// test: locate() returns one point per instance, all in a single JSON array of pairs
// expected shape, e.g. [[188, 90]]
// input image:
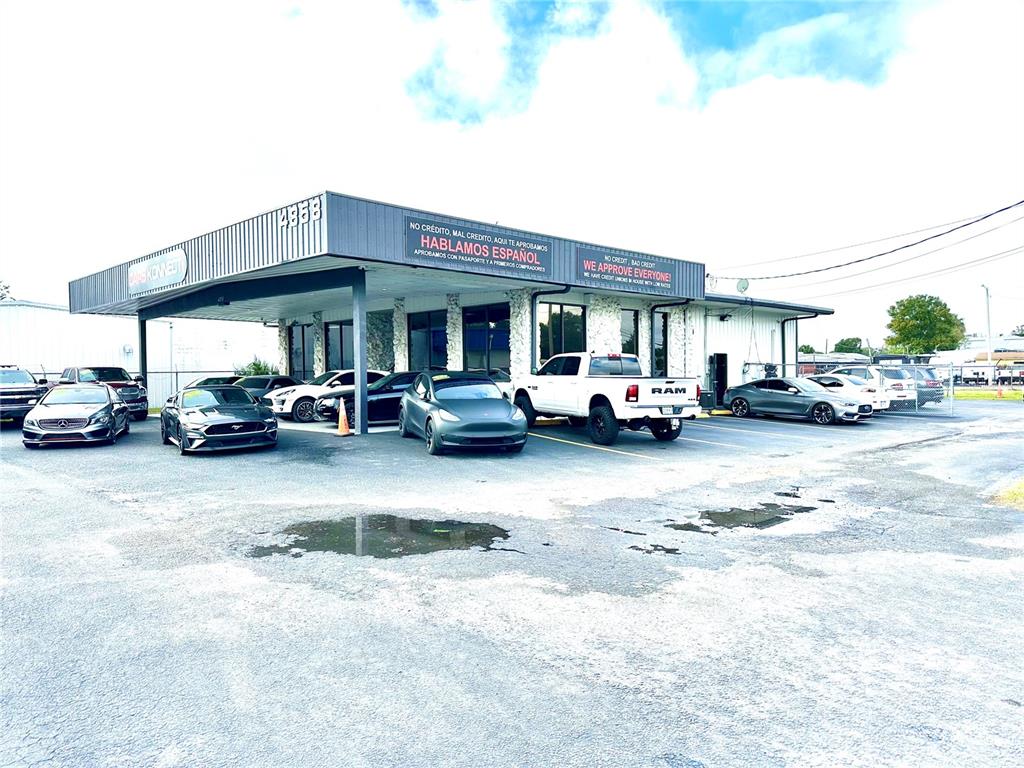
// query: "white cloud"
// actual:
[[129, 127]]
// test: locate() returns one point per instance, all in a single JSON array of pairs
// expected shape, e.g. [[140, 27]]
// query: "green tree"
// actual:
[[923, 323], [806, 349], [849, 344], [1019, 330], [257, 368], [5, 291]]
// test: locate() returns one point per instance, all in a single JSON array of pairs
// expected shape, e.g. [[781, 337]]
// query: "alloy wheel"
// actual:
[[823, 414]]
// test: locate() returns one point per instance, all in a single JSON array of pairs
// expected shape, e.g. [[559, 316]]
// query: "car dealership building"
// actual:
[[353, 283]]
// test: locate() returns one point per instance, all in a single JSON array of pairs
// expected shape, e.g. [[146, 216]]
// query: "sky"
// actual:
[[739, 135]]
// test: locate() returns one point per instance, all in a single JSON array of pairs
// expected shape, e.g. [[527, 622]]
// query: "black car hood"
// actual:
[[226, 413], [479, 408]]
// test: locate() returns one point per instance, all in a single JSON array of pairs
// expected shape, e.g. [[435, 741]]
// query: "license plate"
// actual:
[[670, 410]]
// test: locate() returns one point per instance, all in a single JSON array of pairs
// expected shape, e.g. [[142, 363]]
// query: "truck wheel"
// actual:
[[578, 421], [602, 425], [524, 404], [662, 429]]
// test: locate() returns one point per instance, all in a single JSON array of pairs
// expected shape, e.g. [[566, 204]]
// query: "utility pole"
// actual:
[[988, 325]]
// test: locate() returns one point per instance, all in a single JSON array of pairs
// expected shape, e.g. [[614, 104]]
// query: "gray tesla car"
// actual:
[[459, 409], [76, 413], [801, 398]]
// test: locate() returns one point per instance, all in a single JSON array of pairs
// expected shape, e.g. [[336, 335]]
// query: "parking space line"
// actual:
[[758, 431], [711, 442], [595, 447]]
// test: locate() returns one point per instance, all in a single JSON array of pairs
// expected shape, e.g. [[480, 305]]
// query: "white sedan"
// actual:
[[297, 402], [854, 387]]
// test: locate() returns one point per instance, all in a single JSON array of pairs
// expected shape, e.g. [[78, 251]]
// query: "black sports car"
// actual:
[[216, 418], [76, 413], [458, 409], [382, 398]]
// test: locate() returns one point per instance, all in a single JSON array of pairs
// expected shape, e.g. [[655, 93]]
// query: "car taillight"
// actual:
[[897, 385], [698, 393], [931, 382], [867, 389], [632, 393]]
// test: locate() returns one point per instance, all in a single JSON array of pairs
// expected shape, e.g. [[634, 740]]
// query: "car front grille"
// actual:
[[128, 393], [63, 423], [237, 428], [17, 399], [864, 409]]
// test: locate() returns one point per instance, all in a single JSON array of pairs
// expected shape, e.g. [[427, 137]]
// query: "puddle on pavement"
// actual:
[[765, 515], [382, 536], [657, 549]]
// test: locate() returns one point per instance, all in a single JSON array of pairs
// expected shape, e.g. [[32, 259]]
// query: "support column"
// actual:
[[143, 356], [604, 325], [519, 333], [400, 335], [677, 363], [643, 339], [359, 350], [455, 356], [379, 341], [284, 359], [319, 348]]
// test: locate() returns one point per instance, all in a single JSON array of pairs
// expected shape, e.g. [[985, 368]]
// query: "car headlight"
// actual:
[[518, 415], [282, 393], [31, 423], [271, 420], [849, 405], [143, 391], [100, 418], [446, 415]]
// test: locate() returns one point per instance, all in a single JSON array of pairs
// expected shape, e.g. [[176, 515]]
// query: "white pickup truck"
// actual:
[[605, 393]]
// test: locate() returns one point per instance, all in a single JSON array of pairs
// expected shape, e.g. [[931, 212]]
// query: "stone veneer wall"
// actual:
[[677, 341], [604, 328], [454, 327], [380, 337], [643, 336], [519, 302], [400, 336], [319, 349], [282, 346]]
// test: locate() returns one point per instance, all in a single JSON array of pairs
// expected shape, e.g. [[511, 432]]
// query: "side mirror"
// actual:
[[170, 400], [137, 378], [425, 397], [41, 381], [266, 401], [33, 402], [793, 391], [505, 395], [64, 381]]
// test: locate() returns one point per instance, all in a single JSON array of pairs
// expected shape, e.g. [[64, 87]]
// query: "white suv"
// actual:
[[894, 383], [297, 402]]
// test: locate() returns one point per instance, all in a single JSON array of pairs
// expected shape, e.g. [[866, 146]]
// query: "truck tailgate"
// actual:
[[668, 392]]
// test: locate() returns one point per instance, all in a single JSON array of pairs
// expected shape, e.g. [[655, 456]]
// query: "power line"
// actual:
[[911, 258], [935, 273], [853, 245], [883, 253]]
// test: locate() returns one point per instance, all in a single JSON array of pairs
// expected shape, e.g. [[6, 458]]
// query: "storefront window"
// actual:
[[428, 341], [562, 328], [630, 330], [660, 331], [300, 351], [338, 338], [486, 337]]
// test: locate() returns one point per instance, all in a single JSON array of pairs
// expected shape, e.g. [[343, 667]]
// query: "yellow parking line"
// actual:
[[595, 447]]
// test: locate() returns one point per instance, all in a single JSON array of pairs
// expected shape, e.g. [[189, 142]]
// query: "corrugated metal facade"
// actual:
[[262, 241], [343, 226]]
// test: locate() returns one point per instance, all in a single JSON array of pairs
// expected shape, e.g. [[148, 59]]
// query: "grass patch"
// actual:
[[986, 394], [1012, 496]]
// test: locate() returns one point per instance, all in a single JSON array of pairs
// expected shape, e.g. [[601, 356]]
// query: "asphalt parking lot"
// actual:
[[759, 592]]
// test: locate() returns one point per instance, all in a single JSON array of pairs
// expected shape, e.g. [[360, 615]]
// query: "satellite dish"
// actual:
[[742, 284]]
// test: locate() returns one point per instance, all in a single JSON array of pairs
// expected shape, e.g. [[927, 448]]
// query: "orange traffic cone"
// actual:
[[343, 430]]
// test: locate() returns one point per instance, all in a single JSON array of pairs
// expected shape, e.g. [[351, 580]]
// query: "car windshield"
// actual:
[[323, 378], [805, 385], [895, 373], [13, 376], [216, 380], [253, 382], [466, 389], [385, 382], [857, 381], [76, 396], [204, 398], [103, 374]]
